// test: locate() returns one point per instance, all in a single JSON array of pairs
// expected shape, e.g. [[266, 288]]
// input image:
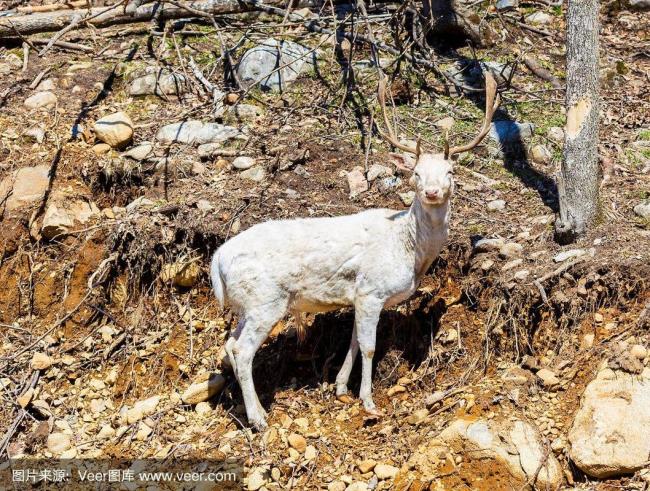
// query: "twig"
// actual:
[[65, 45], [538, 282], [25, 56], [538, 70], [38, 78]]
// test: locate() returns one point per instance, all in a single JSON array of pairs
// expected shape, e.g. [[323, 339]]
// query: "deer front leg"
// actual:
[[366, 317]]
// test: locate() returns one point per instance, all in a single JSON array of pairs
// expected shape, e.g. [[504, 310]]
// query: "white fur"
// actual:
[[370, 260]]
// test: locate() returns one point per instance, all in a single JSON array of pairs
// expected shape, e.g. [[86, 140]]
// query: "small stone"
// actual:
[[396, 389], [357, 486], [407, 197], [639, 351], [36, 133], [115, 129], [297, 442], [47, 84], [643, 210], [510, 249], [101, 148], [541, 154], [445, 123], [588, 340], [377, 170], [198, 168], [106, 431], [488, 245], [139, 152], [357, 183], [255, 173], [385, 471], [203, 408], [181, 274], [509, 132], [310, 452], [417, 417], [256, 479], [496, 205], [507, 4], [204, 390], [564, 255], [195, 132], [539, 19], [556, 134], [598, 318], [548, 378], [97, 406], [522, 275], [336, 486], [41, 100], [141, 409], [41, 361], [487, 265], [231, 98], [57, 443], [243, 163], [143, 432], [366, 465]]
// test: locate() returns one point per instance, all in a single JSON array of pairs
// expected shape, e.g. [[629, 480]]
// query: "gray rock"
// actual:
[[640, 4], [515, 445], [496, 205], [505, 132], [539, 18], [41, 100], [377, 170], [115, 129], [540, 154], [556, 134], [24, 187], [510, 249], [36, 133], [407, 198], [471, 74], [196, 133], [57, 443], [388, 184], [643, 210], [507, 4], [162, 82], [243, 163], [62, 214], [488, 245], [609, 435], [564, 255], [139, 152], [245, 112], [255, 173], [357, 183], [259, 63]]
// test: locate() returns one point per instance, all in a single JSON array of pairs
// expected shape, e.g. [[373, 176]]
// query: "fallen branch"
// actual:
[[533, 65], [109, 16]]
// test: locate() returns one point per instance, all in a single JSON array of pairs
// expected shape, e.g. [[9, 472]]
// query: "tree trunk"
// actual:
[[579, 179]]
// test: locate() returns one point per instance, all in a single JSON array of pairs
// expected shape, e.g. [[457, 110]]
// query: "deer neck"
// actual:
[[427, 231]]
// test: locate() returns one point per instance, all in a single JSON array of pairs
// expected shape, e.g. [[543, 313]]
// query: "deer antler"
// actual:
[[492, 101], [390, 136]]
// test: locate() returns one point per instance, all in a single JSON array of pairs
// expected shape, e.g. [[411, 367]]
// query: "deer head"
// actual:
[[432, 172]]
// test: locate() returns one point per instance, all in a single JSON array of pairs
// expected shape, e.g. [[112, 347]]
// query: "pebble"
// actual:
[[203, 408], [541, 154], [41, 361], [357, 486], [407, 197], [41, 100], [105, 432], [357, 183], [255, 173], [366, 465], [564, 255], [310, 452], [101, 148], [142, 409], [488, 245], [243, 163], [643, 210], [418, 416], [57, 443], [139, 152], [256, 479], [496, 205], [539, 19], [115, 129], [385, 471], [588, 340], [297, 442], [203, 390], [510, 249], [522, 275], [639, 351], [556, 134], [336, 486], [548, 377], [36, 133], [377, 170]]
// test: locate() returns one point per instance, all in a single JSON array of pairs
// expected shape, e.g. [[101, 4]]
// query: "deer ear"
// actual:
[[403, 161]]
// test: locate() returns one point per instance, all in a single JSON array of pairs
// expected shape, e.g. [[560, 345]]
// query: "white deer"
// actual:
[[370, 261]]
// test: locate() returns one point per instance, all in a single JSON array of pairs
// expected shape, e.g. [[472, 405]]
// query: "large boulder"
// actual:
[[24, 187], [194, 132], [64, 211], [514, 446], [609, 434], [262, 64]]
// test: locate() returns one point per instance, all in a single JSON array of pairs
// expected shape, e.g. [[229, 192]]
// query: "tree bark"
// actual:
[[113, 15], [579, 179]]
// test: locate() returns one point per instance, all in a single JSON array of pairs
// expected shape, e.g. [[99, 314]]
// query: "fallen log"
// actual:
[[114, 15]]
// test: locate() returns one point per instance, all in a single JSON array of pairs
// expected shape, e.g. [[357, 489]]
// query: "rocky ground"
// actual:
[[518, 364]]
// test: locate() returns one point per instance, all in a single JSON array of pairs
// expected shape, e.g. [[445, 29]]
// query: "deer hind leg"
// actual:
[[344, 373], [258, 324]]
